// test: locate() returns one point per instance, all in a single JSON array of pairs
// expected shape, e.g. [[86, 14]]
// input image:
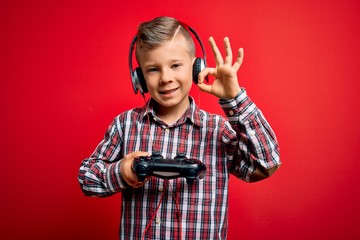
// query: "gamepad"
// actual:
[[180, 166]]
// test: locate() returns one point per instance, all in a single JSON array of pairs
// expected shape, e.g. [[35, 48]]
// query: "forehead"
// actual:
[[175, 48]]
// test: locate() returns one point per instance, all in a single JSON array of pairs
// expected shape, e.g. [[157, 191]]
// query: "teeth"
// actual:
[[166, 92]]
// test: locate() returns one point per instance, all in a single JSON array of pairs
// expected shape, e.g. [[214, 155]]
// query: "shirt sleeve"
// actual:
[[99, 175], [252, 147]]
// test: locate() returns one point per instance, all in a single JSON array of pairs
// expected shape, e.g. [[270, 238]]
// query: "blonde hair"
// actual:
[[159, 30]]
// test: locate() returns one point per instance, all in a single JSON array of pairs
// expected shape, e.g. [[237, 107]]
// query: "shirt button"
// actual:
[[157, 220], [231, 112], [252, 133], [160, 188], [167, 130]]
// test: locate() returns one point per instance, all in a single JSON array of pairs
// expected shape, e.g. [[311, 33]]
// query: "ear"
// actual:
[[193, 61]]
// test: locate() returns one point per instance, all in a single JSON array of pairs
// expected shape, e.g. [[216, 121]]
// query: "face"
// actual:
[[168, 73]]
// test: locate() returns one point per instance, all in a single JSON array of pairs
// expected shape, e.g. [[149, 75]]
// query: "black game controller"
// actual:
[[180, 166]]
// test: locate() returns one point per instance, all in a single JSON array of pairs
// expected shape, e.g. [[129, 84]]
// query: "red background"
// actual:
[[64, 76]]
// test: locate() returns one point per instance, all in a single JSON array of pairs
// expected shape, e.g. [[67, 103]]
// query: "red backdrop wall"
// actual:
[[64, 76]]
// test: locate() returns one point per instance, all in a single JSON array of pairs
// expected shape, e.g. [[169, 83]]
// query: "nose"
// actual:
[[166, 76]]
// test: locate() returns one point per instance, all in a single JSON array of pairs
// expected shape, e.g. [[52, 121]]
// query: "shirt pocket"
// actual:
[[201, 191]]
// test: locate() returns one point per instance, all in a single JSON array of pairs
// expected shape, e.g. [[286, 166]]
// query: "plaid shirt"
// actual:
[[243, 145]]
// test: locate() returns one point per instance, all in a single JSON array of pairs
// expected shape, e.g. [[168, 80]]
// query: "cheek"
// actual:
[[189, 83], [188, 78], [151, 81]]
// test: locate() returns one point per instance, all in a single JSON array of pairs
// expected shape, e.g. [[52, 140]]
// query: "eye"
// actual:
[[176, 65], [152, 70]]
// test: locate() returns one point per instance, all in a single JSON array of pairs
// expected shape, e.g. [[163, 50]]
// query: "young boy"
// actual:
[[170, 122]]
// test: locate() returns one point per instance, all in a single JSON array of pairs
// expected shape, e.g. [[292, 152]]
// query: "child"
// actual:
[[170, 122]]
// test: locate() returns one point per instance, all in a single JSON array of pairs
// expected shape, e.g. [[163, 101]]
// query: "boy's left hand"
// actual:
[[225, 85]]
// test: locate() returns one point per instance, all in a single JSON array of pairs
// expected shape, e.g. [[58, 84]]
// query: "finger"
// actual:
[[205, 72], [139, 184], [229, 56], [138, 154], [132, 179], [127, 171], [239, 59], [218, 58], [205, 87]]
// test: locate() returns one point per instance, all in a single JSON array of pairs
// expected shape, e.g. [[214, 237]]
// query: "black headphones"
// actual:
[[137, 77]]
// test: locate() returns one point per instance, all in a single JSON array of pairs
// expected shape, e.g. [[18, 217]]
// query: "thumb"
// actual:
[[139, 154], [201, 77], [205, 87]]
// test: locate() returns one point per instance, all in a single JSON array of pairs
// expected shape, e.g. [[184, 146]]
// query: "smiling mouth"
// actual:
[[169, 91]]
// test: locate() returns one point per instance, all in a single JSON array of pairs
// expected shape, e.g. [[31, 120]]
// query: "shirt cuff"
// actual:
[[239, 108], [113, 179]]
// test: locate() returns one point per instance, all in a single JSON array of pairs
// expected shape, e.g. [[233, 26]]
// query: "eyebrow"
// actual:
[[152, 64]]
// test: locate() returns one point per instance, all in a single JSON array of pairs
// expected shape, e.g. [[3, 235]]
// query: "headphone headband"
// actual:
[[190, 29]]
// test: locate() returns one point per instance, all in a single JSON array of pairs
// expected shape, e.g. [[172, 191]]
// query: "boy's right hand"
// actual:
[[225, 85], [126, 169]]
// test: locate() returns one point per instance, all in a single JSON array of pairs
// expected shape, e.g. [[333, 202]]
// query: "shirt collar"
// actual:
[[192, 114]]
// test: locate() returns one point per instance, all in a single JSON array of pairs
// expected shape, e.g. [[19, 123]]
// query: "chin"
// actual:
[[171, 102], [168, 103]]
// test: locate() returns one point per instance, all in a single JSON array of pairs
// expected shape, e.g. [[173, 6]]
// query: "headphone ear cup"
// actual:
[[198, 66], [140, 82]]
